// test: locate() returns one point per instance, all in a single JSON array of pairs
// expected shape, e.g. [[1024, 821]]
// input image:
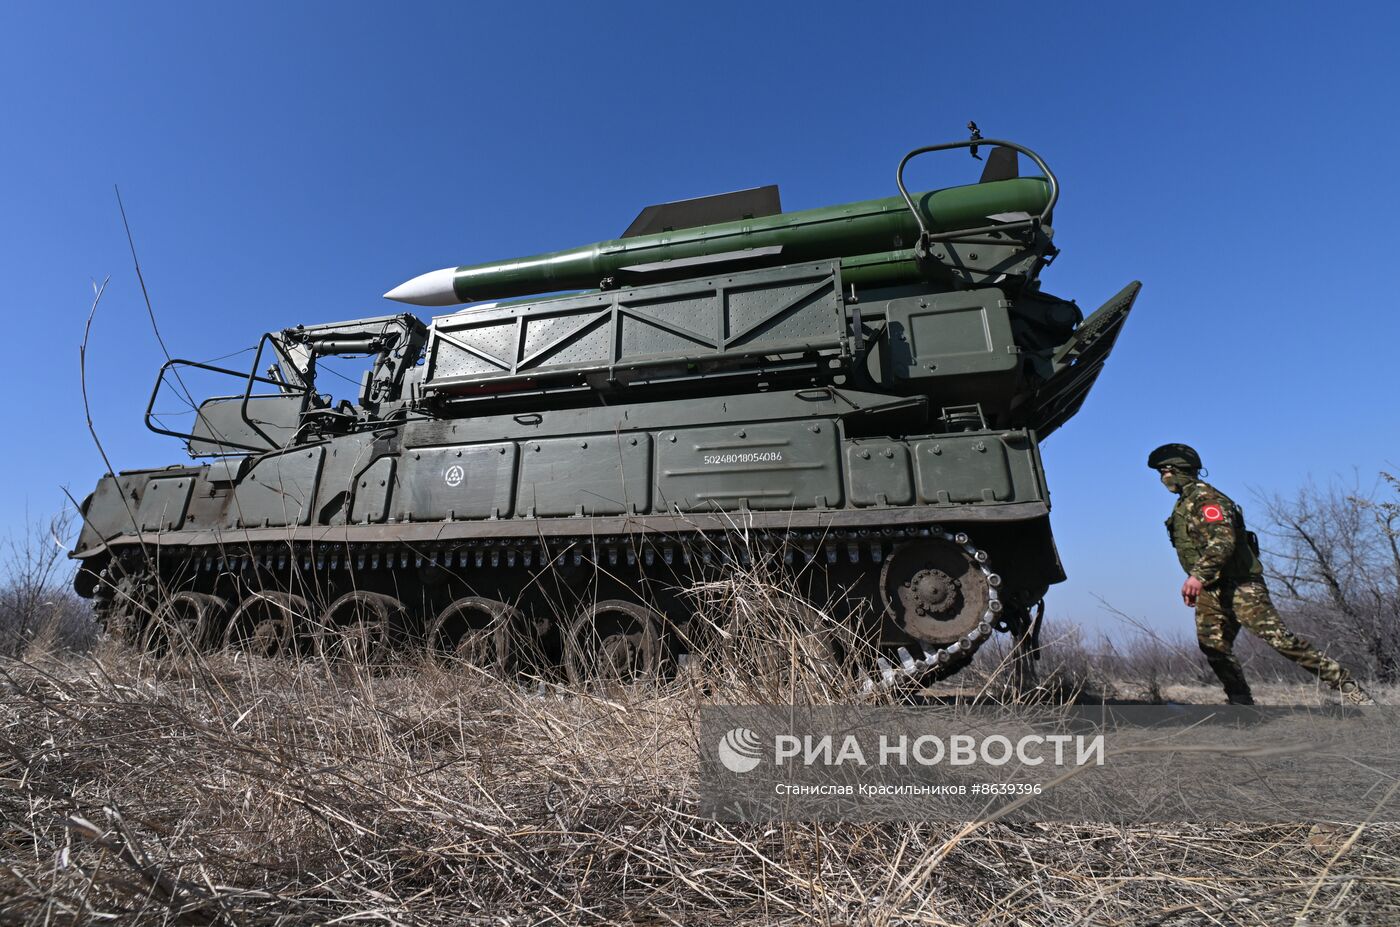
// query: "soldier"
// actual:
[[1225, 580]]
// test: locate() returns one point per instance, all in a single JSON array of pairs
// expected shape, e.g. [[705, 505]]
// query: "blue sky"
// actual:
[[287, 163]]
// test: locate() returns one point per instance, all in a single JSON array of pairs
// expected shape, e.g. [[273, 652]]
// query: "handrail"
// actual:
[[254, 378], [925, 236], [222, 442]]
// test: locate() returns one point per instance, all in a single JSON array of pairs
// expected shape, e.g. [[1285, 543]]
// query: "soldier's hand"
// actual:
[[1190, 590]]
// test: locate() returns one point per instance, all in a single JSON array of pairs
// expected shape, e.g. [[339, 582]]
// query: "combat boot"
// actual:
[[1353, 694], [1231, 677]]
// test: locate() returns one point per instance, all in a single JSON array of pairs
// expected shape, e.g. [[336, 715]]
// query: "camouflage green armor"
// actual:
[[1208, 531], [853, 395], [1206, 527]]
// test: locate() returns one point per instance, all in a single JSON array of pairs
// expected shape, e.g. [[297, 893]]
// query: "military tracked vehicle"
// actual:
[[859, 391]]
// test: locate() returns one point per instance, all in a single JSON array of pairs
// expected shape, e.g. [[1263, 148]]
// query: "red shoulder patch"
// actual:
[[1212, 512]]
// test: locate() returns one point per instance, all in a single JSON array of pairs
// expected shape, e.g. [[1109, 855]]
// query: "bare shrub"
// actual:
[[1333, 556], [38, 608], [1066, 665], [1153, 662], [1077, 664]]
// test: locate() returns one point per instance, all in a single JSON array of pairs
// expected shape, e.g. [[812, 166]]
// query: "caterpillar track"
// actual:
[[590, 608]]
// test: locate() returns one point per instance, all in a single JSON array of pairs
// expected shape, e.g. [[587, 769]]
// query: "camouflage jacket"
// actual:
[[1207, 529]]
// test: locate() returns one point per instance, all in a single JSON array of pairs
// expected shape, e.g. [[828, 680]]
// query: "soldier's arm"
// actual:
[[1213, 522]]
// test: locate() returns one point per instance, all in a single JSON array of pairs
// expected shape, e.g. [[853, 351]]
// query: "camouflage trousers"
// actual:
[[1220, 613]]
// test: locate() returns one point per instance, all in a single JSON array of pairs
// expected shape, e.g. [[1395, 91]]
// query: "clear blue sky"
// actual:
[[289, 162]]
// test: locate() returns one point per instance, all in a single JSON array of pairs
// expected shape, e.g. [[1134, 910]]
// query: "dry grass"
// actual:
[[237, 791]]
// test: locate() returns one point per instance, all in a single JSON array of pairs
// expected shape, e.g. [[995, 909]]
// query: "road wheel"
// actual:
[[267, 624], [357, 628], [479, 631], [186, 622], [613, 641]]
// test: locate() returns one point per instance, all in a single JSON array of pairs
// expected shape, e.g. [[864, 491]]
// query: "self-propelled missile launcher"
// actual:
[[857, 392]]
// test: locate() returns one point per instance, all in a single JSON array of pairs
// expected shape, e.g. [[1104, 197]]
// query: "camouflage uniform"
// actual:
[[1207, 529]]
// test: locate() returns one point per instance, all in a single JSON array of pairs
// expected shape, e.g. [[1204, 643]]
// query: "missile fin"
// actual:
[[706, 210]]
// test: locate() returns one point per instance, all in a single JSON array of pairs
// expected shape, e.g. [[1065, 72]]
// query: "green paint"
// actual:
[[878, 226]]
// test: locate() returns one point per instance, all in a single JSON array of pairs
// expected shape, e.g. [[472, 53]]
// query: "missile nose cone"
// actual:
[[431, 289]]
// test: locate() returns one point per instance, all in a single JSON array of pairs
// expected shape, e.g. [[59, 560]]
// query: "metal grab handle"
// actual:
[[925, 236], [180, 362], [306, 393]]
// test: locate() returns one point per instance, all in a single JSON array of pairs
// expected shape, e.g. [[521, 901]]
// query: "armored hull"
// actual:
[[535, 485]]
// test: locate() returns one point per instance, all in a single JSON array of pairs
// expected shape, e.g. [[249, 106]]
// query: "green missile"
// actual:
[[881, 225]]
